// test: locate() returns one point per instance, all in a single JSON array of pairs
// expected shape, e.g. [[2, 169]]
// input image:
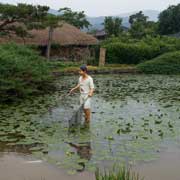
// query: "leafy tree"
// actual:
[[113, 26], [77, 19], [169, 20], [23, 17], [138, 17], [137, 30], [19, 19], [141, 27]]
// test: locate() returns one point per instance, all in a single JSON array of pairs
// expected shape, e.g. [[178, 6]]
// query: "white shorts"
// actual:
[[87, 104]]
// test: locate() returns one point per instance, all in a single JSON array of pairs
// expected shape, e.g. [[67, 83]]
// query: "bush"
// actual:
[[129, 53], [168, 63], [133, 51], [22, 72]]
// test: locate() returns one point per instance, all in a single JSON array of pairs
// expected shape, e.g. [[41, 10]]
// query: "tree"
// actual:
[[169, 20], [138, 17], [113, 26], [77, 19], [137, 30], [140, 26], [19, 19], [23, 17], [51, 21]]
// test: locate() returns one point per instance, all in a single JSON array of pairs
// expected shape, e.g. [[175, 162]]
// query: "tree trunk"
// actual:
[[48, 51]]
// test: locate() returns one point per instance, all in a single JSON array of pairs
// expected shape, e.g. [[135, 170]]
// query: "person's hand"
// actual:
[[90, 95], [71, 91]]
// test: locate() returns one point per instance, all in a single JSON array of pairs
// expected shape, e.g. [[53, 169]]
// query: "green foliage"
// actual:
[[22, 72], [169, 20], [133, 51], [137, 30], [51, 21], [168, 63], [77, 19], [141, 27], [138, 17], [25, 16], [129, 53], [121, 173], [113, 26]]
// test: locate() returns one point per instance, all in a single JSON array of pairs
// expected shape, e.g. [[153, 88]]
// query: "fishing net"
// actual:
[[77, 116]]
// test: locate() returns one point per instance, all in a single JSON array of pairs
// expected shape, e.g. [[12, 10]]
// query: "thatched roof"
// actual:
[[65, 35]]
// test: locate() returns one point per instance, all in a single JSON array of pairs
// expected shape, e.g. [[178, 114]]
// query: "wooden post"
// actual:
[[102, 56]]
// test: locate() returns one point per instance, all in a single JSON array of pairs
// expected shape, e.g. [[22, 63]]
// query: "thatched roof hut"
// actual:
[[65, 35]]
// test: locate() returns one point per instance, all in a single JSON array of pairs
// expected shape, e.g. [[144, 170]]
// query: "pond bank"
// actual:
[[115, 69]]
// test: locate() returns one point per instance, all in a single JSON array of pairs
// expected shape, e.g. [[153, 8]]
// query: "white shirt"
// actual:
[[86, 85]]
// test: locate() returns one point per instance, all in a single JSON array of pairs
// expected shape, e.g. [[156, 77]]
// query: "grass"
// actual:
[[74, 67], [117, 173]]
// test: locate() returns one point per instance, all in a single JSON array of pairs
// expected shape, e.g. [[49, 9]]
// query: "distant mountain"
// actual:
[[53, 11], [97, 22]]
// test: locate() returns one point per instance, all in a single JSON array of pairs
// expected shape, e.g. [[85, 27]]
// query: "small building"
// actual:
[[68, 42], [100, 34]]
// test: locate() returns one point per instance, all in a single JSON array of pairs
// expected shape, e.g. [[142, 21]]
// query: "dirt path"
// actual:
[[19, 167]]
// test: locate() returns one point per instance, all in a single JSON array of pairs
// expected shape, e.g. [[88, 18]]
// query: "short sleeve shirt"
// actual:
[[86, 85]]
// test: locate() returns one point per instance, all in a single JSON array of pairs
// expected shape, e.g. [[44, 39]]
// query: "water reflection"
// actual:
[[83, 149]]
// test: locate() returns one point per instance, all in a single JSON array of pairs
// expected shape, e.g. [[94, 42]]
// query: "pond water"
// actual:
[[134, 118]]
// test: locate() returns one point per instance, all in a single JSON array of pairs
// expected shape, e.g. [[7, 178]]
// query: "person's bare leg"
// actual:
[[87, 113]]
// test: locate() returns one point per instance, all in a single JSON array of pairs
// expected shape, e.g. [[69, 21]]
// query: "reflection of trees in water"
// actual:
[[19, 148], [84, 150]]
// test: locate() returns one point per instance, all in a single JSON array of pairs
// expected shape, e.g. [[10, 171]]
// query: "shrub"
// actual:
[[22, 72], [133, 51], [168, 63], [129, 53]]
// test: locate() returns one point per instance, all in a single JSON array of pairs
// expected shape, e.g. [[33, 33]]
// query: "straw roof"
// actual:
[[64, 35]]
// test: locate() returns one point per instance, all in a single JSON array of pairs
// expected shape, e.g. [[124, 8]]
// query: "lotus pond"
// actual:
[[134, 117]]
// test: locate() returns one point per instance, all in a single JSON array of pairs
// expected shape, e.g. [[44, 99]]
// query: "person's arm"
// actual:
[[73, 89], [91, 92], [91, 88]]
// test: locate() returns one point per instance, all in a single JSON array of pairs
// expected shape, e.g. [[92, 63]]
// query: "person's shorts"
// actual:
[[86, 100]]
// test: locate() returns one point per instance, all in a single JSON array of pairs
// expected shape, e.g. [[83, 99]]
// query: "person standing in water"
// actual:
[[86, 86]]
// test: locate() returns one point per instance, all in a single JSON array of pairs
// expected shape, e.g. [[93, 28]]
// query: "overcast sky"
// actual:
[[102, 7]]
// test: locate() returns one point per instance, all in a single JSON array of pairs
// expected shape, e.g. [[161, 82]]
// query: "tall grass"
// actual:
[[117, 173]]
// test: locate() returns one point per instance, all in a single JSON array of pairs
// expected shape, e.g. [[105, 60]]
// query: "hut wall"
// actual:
[[71, 53]]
